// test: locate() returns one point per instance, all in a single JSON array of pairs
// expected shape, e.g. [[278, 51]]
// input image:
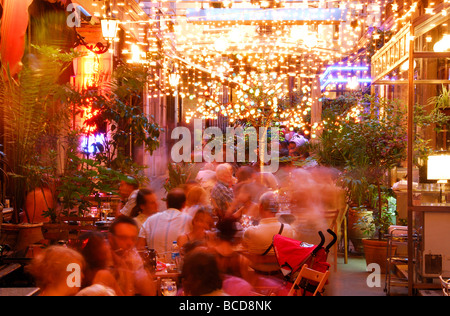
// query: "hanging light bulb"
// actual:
[[353, 83], [174, 79], [443, 45]]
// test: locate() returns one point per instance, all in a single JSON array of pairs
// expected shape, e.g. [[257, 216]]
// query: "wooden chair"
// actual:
[[445, 286], [335, 219], [308, 274]]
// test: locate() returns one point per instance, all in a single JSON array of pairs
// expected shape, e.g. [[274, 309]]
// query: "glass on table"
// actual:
[[106, 210], [168, 287]]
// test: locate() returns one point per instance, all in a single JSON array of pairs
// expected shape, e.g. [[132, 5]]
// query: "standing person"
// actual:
[[146, 206], [222, 194], [129, 269], [257, 240], [244, 205], [162, 229], [128, 190], [50, 271]]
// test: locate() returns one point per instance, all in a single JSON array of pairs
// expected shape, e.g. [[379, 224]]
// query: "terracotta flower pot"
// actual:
[[375, 251], [20, 236], [355, 228]]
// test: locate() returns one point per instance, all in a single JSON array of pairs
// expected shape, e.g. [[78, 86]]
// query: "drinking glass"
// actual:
[[106, 210], [169, 287]]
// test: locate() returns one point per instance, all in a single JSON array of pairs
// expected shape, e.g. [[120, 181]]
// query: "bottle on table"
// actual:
[[175, 254]]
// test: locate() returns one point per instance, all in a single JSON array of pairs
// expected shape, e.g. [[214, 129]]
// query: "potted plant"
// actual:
[[33, 114], [364, 139]]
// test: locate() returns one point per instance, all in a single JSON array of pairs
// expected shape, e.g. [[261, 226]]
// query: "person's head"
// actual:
[[97, 290], [95, 250], [196, 196], [245, 193], [123, 233], [176, 199], [292, 145], [52, 268], [202, 219], [224, 173], [226, 229], [200, 273], [127, 187], [268, 205], [146, 203], [245, 174]]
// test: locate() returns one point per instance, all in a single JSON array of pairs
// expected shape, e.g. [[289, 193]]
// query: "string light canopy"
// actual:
[[228, 46]]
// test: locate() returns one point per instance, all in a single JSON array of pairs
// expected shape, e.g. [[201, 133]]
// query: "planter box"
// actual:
[[375, 251]]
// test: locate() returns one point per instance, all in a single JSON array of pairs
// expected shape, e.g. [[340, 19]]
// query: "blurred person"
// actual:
[[244, 175], [129, 269], [97, 290], [161, 229], [202, 223], [146, 206], [232, 285], [244, 203], [201, 275], [257, 240], [50, 271], [128, 190], [206, 177], [195, 199], [222, 194], [230, 262], [97, 254]]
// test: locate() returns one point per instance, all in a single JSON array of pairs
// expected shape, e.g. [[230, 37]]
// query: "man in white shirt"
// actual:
[[160, 230], [258, 239]]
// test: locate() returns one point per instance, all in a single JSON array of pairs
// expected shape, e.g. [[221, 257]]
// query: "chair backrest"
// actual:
[[319, 278], [445, 286]]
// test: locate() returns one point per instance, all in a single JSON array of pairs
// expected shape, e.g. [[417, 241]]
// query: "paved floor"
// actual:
[[351, 279]]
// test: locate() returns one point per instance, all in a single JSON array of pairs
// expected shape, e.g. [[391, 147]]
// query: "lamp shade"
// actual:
[[439, 167], [174, 79], [109, 29]]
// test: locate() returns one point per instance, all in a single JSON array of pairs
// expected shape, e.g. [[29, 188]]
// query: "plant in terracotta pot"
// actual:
[[364, 138]]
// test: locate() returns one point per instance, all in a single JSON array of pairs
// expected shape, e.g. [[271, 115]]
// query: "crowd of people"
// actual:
[[223, 223]]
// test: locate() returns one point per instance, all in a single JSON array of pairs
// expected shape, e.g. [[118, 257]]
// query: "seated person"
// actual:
[[128, 190], [257, 240], [201, 275], [201, 225], [196, 198], [97, 253], [222, 194], [161, 229], [146, 205], [128, 267], [230, 261], [50, 271]]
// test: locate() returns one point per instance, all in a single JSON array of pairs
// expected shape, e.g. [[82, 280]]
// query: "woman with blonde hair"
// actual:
[[196, 198], [57, 271]]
